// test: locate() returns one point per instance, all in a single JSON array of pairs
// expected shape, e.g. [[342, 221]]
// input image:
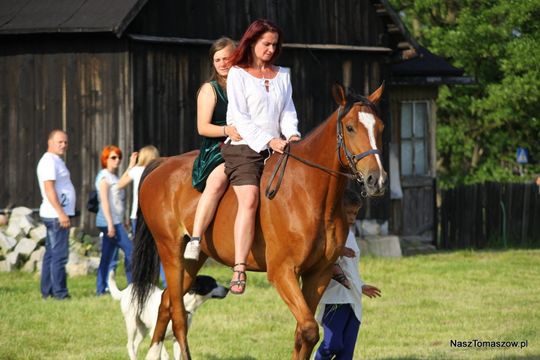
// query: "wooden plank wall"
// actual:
[[302, 21], [104, 90], [81, 86], [167, 77], [488, 215]]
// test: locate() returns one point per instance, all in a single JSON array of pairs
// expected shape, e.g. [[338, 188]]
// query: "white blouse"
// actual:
[[260, 115]]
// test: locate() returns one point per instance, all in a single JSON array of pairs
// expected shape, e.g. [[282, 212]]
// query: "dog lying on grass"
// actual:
[[137, 327]]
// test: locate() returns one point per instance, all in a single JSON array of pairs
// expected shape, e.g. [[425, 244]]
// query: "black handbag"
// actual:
[[92, 204]]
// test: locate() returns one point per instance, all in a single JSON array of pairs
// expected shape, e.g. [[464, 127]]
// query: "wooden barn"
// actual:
[[127, 72]]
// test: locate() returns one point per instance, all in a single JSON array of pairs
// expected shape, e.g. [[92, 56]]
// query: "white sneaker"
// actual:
[[193, 248]]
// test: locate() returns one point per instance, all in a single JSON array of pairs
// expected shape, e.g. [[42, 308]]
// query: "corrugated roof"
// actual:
[[67, 16]]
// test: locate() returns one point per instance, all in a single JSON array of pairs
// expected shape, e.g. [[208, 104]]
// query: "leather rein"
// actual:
[[352, 160]]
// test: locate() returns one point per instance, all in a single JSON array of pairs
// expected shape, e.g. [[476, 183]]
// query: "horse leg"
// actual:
[[165, 308], [307, 330], [172, 307], [156, 345], [313, 286]]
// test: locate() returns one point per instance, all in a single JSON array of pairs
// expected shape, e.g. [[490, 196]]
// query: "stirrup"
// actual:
[[193, 249], [341, 278], [239, 282]]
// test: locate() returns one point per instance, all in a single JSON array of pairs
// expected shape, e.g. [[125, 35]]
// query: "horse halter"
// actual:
[[352, 160]]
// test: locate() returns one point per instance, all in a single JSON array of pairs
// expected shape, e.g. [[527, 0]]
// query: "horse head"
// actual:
[[359, 132]]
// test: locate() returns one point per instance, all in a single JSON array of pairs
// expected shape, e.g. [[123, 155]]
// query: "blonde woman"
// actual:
[[137, 163]]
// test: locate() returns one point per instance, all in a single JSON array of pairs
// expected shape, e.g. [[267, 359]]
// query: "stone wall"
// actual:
[[22, 245]]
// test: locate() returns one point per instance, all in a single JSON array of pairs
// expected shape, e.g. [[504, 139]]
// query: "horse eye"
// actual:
[[349, 128]]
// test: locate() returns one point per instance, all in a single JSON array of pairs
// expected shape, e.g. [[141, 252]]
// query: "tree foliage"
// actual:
[[480, 126]]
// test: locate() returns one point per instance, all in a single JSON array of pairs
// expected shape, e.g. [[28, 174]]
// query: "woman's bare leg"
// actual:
[[216, 184]]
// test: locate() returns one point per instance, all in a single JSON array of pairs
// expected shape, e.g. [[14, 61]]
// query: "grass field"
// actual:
[[428, 301]]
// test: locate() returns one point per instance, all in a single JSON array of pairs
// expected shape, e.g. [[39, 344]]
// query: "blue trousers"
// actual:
[[340, 332], [114, 262], [53, 269], [108, 246]]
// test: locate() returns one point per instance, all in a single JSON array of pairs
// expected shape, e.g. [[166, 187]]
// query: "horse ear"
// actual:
[[376, 96], [338, 92]]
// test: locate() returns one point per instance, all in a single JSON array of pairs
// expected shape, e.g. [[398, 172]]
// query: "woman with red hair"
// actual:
[[110, 216], [262, 109]]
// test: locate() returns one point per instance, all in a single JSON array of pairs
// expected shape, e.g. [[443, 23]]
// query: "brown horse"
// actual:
[[298, 233]]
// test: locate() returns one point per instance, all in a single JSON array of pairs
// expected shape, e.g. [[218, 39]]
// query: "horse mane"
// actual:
[[354, 98]]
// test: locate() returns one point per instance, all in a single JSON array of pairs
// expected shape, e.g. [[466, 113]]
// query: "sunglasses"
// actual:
[[114, 157]]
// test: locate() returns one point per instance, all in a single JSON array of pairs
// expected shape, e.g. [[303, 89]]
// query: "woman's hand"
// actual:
[[230, 131], [294, 138], [133, 159], [278, 145], [111, 231]]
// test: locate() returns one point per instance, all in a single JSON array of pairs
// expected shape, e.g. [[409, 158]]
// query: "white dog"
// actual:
[[203, 288]]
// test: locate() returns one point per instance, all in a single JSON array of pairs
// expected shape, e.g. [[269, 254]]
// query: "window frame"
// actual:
[[425, 138]]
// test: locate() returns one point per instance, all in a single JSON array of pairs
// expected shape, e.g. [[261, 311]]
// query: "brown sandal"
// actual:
[[238, 282], [341, 277]]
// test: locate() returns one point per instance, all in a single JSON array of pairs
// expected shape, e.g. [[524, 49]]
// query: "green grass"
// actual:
[[427, 302]]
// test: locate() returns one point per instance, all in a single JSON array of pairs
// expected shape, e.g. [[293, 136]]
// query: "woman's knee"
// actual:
[[216, 187], [248, 197]]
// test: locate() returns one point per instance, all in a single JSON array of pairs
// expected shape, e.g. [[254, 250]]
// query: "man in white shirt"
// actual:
[[57, 206]]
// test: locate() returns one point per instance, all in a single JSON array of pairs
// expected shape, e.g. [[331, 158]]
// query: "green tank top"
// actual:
[[210, 152]]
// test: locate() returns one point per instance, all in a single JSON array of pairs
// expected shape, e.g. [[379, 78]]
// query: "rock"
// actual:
[[5, 266], [20, 224], [7, 242], [385, 246], [39, 234], [77, 269], [363, 245], [93, 264], [35, 258], [21, 211], [14, 259], [370, 227], [26, 246]]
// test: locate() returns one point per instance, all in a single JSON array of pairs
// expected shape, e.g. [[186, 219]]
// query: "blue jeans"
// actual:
[[108, 245], [340, 332], [53, 270]]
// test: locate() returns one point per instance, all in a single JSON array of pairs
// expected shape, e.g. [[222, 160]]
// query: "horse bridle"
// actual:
[[351, 159]]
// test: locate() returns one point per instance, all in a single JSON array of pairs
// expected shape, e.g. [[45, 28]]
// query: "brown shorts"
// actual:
[[243, 166]]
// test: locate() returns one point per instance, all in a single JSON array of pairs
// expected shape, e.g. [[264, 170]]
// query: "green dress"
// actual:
[[210, 156]]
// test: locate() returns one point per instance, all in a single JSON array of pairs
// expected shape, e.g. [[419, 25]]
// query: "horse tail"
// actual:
[[145, 263]]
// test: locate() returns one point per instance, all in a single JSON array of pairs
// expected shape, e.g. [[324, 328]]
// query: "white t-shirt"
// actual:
[[116, 198], [336, 293], [52, 167], [260, 115], [135, 173]]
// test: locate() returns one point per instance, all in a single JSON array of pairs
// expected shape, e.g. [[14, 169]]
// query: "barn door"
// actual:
[[416, 164]]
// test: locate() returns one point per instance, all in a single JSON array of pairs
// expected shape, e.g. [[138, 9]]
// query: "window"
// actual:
[[414, 120]]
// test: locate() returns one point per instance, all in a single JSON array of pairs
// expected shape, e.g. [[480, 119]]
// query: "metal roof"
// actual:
[[67, 16]]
